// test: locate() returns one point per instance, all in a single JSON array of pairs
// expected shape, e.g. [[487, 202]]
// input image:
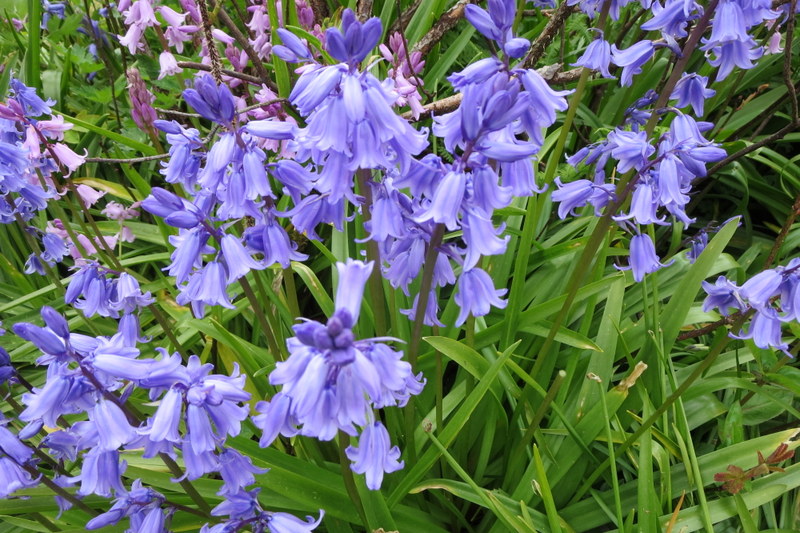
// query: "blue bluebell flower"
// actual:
[[14, 477], [597, 57], [214, 102], [631, 59], [692, 90], [476, 295], [643, 258], [374, 455]]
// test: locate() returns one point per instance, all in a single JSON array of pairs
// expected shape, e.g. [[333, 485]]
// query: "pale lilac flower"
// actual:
[[643, 258], [631, 59], [476, 295], [597, 57], [67, 157], [169, 65], [691, 90], [374, 455]]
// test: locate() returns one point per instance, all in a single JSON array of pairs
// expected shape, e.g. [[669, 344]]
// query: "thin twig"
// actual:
[[213, 53], [130, 160], [230, 73], [445, 23], [550, 74], [401, 22], [755, 146], [548, 34], [364, 9]]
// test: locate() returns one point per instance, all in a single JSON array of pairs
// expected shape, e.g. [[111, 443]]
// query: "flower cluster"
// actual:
[[773, 296], [334, 382]]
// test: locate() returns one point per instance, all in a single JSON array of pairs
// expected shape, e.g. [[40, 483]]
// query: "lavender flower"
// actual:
[[643, 258]]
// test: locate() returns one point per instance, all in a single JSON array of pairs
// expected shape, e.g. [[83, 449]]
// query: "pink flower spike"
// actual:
[[89, 196], [67, 157], [169, 66]]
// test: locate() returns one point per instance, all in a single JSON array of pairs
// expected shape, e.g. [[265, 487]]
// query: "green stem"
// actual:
[[714, 352], [377, 297], [349, 479]]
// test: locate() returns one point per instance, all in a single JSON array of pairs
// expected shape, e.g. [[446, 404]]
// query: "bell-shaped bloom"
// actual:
[[353, 276], [692, 90], [643, 258], [631, 148], [13, 477], [287, 523], [112, 425], [101, 472], [723, 295], [597, 57], [213, 102], [374, 456], [237, 471], [475, 294], [761, 288], [631, 59], [765, 331], [237, 260]]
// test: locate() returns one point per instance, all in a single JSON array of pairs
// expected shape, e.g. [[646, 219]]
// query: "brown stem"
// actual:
[[213, 53], [548, 34], [550, 73], [445, 23], [231, 73], [401, 22]]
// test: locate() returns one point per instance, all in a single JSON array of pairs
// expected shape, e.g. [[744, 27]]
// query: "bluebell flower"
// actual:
[[13, 477], [476, 295], [54, 248], [207, 286], [136, 504], [729, 43], [237, 471], [672, 18], [101, 473], [185, 158], [597, 57], [643, 258], [11, 446], [698, 244], [644, 204], [32, 104], [374, 456], [481, 238], [113, 429], [723, 295], [578, 193], [765, 331], [6, 368], [129, 296], [691, 90], [213, 102], [631, 149], [287, 523], [331, 381], [631, 59], [761, 288]]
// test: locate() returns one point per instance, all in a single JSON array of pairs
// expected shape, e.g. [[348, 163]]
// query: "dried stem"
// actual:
[[231, 73], [445, 23], [550, 73], [548, 34], [213, 53]]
